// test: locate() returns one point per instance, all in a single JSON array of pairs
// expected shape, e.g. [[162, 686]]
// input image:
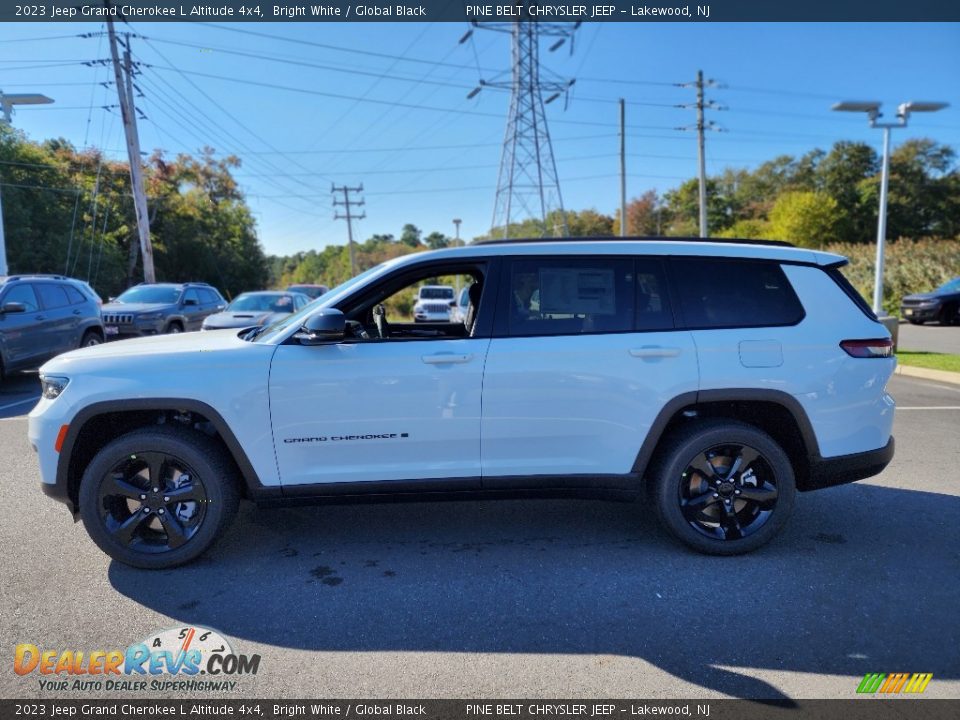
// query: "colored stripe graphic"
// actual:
[[918, 683], [871, 682], [894, 683]]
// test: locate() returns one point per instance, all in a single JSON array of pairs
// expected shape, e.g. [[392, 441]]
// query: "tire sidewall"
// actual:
[[197, 453], [684, 447]]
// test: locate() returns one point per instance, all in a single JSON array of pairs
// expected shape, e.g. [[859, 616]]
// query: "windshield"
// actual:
[[951, 286], [150, 294], [262, 302], [328, 299], [436, 293]]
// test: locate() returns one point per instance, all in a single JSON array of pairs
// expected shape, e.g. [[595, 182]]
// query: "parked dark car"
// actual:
[[943, 304], [256, 309], [45, 315], [157, 308], [312, 291]]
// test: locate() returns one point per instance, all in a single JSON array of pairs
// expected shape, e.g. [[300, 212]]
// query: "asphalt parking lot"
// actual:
[[930, 338], [527, 598]]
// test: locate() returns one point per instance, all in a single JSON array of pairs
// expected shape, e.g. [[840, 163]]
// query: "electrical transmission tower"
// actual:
[[528, 185], [347, 203], [701, 127]]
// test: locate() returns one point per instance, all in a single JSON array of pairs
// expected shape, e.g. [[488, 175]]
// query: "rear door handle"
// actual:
[[446, 358], [654, 352]]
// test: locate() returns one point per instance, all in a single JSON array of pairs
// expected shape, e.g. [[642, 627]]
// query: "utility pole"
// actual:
[[623, 168], [347, 203], [6, 107], [701, 127], [129, 115]]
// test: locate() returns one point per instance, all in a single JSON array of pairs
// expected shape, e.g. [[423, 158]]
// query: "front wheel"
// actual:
[[723, 487], [158, 497]]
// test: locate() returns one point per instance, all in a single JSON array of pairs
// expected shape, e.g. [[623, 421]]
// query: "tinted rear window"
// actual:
[[721, 292]]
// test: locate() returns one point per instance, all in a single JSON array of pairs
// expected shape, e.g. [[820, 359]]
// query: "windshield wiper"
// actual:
[[251, 334]]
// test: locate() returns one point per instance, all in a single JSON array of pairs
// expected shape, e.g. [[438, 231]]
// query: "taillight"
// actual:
[[880, 348]]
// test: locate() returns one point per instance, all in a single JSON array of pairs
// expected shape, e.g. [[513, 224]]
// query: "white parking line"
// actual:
[[20, 402], [930, 407]]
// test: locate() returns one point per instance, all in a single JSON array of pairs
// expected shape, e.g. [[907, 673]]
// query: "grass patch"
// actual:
[[931, 360]]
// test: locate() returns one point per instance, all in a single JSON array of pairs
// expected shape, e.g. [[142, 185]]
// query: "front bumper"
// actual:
[[842, 469], [927, 312]]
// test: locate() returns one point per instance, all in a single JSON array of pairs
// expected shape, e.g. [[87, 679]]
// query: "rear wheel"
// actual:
[[158, 497], [91, 338], [723, 487], [174, 328]]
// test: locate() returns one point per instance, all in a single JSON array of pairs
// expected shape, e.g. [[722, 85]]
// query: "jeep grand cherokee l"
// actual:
[[712, 379]]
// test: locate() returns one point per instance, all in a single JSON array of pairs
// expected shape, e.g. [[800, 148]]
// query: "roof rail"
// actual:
[[50, 276], [735, 241]]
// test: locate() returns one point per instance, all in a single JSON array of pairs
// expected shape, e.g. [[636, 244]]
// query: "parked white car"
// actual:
[[714, 378]]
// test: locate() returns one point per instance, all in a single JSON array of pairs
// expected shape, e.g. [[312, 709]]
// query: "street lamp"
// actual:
[[872, 109], [6, 105]]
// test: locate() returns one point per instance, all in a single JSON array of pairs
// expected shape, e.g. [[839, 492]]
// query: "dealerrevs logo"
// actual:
[[186, 652]]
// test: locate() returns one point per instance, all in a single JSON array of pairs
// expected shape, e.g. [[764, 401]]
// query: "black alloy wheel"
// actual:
[[152, 502], [721, 486], [159, 496], [727, 492]]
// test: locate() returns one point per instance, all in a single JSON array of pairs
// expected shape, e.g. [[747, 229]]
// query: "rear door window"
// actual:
[[52, 296], [570, 296], [727, 293]]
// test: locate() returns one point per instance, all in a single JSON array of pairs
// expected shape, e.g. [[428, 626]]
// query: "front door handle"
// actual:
[[446, 358], [654, 351]]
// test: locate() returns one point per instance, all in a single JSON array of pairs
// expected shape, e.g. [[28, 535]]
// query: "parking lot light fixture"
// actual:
[[872, 109], [6, 107]]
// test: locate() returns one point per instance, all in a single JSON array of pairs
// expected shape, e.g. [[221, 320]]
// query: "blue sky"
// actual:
[[425, 154]]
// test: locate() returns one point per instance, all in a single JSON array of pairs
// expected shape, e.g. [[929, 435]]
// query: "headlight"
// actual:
[[53, 385], [149, 316]]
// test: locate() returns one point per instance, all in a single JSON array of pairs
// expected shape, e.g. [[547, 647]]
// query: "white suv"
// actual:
[[712, 379], [434, 303]]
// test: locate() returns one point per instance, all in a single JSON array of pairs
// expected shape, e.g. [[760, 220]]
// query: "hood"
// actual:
[[923, 296], [241, 319], [156, 348], [134, 308]]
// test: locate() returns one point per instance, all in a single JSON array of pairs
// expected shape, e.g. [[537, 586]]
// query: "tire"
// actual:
[[948, 315], [90, 339], [117, 489], [693, 505], [174, 328]]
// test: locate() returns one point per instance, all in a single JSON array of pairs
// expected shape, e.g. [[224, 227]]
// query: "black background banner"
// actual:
[[866, 708], [489, 11]]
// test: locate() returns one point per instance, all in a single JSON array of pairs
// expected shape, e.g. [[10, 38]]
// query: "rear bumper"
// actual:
[[828, 472]]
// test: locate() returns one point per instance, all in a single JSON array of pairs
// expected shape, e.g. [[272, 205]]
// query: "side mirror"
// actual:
[[322, 327], [13, 307], [190, 302]]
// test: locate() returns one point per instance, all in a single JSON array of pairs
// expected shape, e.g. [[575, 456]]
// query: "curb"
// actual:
[[927, 374]]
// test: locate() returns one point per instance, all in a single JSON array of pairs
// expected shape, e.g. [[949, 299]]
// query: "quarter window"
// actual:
[[720, 292], [76, 297], [570, 296]]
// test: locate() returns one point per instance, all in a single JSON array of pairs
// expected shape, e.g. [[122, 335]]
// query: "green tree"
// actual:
[[410, 235], [805, 218]]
